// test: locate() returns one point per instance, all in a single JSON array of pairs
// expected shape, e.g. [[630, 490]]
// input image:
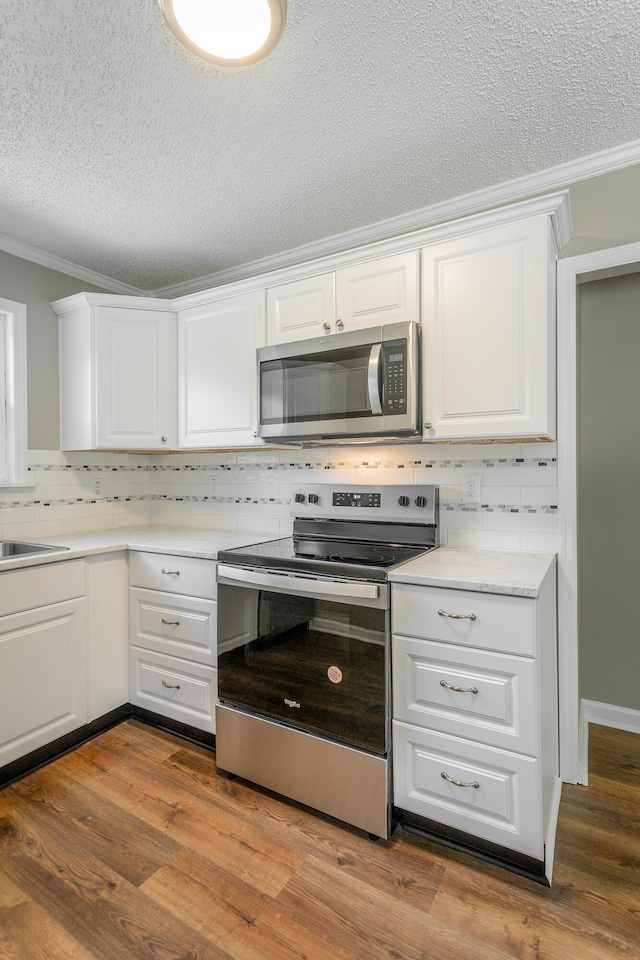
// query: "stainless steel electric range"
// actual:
[[304, 649]]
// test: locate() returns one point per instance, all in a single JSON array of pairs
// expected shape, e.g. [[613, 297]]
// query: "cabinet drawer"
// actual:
[[496, 702], [173, 688], [484, 620], [504, 807], [32, 587], [191, 576], [175, 625]]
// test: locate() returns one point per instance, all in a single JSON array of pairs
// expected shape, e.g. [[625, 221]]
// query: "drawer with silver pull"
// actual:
[[190, 576], [485, 696], [490, 793], [173, 688], [175, 625], [473, 619]]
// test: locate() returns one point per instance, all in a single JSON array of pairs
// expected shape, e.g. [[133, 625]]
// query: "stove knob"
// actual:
[[299, 498], [404, 501], [313, 498], [421, 501]]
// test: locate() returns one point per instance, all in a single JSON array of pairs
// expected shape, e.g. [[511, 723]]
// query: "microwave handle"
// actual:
[[373, 380]]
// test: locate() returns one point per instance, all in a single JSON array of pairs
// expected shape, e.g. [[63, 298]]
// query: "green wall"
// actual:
[[36, 286], [608, 485]]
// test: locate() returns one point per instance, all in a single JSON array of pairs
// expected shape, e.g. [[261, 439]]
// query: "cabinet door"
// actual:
[[301, 309], [217, 345], [377, 292], [135, 379], [488, 334], [43, 676]]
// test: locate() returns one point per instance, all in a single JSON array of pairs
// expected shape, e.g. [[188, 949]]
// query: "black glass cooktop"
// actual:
[[336, 558]]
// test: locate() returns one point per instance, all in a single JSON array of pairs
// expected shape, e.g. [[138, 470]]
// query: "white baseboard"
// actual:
[[609, 715], [606, 715]]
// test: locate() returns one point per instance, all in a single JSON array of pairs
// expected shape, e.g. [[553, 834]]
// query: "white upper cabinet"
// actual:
[[217, 344], [135, 360], [488, 323], [117, 373], [301, 309], [364, 295]]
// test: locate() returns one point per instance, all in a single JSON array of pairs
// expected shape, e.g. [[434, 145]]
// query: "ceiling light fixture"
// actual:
[[232, 33]]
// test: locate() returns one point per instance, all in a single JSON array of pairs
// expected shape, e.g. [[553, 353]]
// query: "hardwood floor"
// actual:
[[134, 848]]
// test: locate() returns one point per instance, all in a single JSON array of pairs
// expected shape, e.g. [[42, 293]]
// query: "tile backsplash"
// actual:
[[253, 490]]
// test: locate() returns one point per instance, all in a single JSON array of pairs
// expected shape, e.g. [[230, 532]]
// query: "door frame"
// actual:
[[572, 271]]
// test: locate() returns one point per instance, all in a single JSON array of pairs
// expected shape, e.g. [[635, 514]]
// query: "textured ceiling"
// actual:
[[126, 154]]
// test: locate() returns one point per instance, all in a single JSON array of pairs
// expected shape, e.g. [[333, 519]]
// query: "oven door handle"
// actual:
[[308, 586]]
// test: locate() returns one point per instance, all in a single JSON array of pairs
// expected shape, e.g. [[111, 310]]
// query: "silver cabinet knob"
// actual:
[[428, 425], [164, 439], [340, 325], [326, 327]]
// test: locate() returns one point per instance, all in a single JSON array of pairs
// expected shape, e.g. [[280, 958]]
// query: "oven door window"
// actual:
[[330, 386], [314, 664]]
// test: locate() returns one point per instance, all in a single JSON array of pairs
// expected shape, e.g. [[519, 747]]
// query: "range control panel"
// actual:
[[406, 503], [356, 498]]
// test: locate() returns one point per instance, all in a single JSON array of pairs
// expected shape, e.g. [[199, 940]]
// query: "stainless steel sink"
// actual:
[[13, 549]]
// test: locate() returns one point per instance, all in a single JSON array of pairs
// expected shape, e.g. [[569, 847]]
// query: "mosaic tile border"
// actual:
[[70, 501], [382, 464]]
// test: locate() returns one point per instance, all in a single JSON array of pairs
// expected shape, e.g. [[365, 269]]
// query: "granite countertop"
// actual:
[[487, 571], [178, 541]]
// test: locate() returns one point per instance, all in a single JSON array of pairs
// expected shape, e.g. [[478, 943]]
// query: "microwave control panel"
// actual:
[[395, 377]]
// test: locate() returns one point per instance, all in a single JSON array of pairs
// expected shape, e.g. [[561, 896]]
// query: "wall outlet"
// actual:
[[471, 488], [213, 486], [97, 490]]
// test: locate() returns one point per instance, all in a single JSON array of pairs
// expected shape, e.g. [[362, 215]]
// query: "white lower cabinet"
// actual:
[[43, 656], [172, 629], [475, 736], [173, 688], [483, 791]]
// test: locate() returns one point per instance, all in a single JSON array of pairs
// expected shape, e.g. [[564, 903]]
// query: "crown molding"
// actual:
[[606, 161], [552, 178], [49, 260]]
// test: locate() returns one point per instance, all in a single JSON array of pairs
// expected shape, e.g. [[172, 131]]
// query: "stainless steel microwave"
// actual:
[[347, 386]]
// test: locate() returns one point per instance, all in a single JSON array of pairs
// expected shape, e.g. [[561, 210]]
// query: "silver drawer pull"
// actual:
[[456, 783], [171, 573], [175, 686], [176, 623], [449, 686], [457, 616]]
